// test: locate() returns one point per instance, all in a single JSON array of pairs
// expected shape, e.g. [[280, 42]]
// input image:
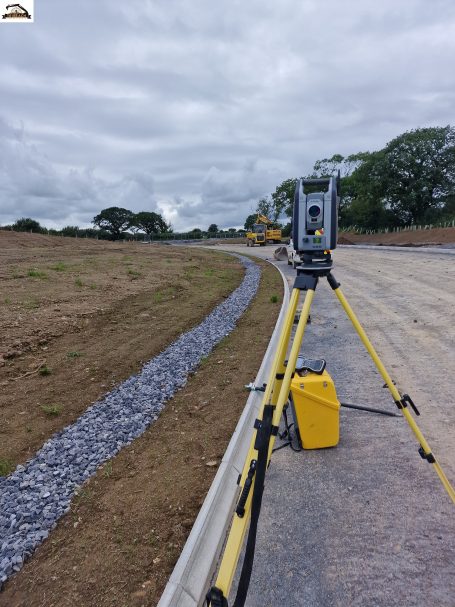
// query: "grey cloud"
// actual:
[[31, 186], [200, 109]]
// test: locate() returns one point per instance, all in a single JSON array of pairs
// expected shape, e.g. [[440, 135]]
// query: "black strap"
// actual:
[[215, 598], [262, 445]]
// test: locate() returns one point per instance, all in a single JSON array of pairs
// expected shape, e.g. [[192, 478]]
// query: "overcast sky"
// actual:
[[197, 109]]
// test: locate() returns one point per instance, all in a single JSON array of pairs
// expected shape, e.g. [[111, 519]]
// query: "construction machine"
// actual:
[[262, 232]]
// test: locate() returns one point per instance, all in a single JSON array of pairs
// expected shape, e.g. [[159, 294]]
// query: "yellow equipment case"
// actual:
[[315, 408]]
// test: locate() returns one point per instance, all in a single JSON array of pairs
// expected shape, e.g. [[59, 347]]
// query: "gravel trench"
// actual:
[[36, 495]]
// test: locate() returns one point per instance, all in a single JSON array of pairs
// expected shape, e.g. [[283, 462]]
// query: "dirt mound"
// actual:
[[423, 238], [344, 240]]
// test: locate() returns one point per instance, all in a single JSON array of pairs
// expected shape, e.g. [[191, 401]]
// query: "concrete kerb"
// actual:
[[194, 570]]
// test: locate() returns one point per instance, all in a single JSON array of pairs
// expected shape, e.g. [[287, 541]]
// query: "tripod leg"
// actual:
[[401, 402], [277, 392], [277, 370], [292, 361], [240, 523]]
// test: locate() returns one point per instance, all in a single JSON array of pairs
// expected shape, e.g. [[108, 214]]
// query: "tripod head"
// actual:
[[315, 265]]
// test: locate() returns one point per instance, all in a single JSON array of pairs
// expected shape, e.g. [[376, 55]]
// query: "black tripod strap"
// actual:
[[262, 445]]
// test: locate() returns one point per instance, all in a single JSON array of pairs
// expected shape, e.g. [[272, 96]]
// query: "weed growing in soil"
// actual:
[[7, 301], [34, 273], [74, 354], [51, 410], [134, 275], [59, 267], [83, 494], [274, 299], [78, 282], [108, 469], [157, 297], [5, 467], [44, 370], [32, 304]]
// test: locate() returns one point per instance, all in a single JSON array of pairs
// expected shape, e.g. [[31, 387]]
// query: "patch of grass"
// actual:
[[108, 469], [51, 410], [78, 282], [134, 274], [45, 370], [93, 286], [74, 354], [203, 361], [31, 304], [157, 297], [7, 301], [274, 299], [15, 273], [224, 274], [83, 495], [34, 273], [209, 272], [5, 467], [59, 267]]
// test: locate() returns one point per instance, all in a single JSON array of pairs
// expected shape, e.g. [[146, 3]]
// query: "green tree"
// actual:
[[26, 224], [150, 223], [266, 206], [283, 197], [70, 231], [250, 221], [418, 173], [411, 180], [213, 228], [115, 220], [328, 166]]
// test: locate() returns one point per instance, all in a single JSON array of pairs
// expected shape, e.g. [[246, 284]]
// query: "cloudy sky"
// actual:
[[197, 109]]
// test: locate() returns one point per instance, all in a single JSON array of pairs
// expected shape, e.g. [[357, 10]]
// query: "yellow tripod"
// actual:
[[266, 428]]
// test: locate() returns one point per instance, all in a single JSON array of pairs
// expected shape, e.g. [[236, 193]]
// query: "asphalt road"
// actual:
[[368, 522]]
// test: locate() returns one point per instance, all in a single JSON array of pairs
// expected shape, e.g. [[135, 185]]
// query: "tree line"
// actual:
[[115, 223], [410, 181], [111, 223]]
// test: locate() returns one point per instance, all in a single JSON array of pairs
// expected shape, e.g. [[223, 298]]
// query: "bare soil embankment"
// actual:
[[79, 316], [418, 238]]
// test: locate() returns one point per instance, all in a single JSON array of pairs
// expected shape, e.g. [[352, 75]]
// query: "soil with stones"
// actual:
[[129, 523]]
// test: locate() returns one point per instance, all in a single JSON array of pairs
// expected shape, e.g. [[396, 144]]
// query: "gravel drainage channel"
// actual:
[[36, 495]]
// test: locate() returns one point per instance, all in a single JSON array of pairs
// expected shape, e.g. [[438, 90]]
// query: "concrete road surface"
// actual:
[[368, 522]]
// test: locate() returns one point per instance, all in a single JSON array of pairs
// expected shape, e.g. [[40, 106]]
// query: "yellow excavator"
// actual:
[[262, 233]]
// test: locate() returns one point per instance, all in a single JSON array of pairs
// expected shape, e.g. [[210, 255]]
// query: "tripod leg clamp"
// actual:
[[428, 456], [216, 598], [403, 403]]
